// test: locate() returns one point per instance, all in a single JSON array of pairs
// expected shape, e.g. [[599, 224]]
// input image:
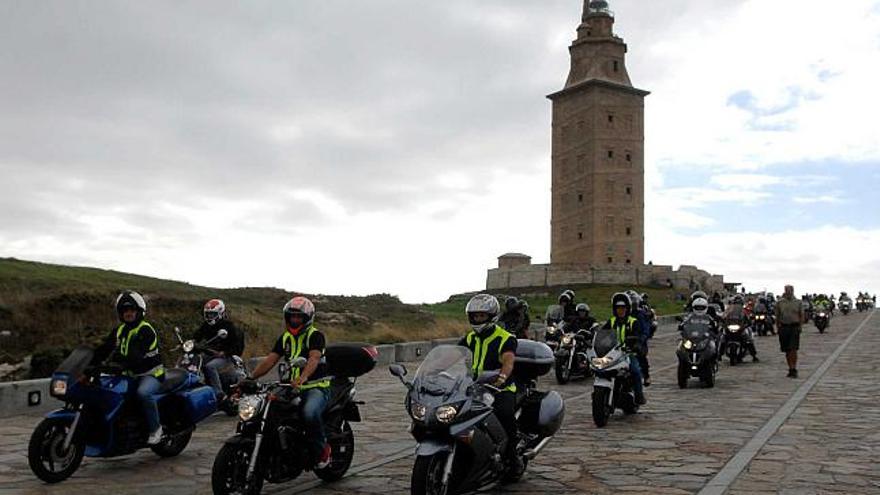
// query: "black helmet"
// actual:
[[621, 299], [130, 300], [583, 307], [566, 295], [511, 303]]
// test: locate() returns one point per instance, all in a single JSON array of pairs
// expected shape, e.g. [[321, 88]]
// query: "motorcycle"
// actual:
[[460, 441], [736, 336], [821, 320], [571, 355], [194, 357], [845, 306], [762, 325], [862, 304], [553, 332], [270, 442], [697, 354], [102, 416], [613, 382]]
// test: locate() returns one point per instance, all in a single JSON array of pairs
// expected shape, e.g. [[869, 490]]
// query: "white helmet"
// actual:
[[131, 299], [700, 306], [483, 303]]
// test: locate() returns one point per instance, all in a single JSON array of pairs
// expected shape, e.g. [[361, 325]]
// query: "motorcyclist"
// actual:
[[694, 296], [638, 311], [134, 344], [716, 299], [736, 314], [302, 339], [626, 328], [515, 319], [762, 307], [214, 314], [700, 314], [494, 348], [582, 320], [566, 302]]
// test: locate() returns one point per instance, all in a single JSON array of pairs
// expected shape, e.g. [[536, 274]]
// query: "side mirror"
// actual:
[[397, 370], [299, 362], [222, 333], [679, 318]]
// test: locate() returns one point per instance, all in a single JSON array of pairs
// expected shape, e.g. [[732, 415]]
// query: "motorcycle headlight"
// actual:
[[760, 317], [59, 388], [188, 346], [601, 362], [733, 328], [822, 314], [551, 330], [418, 411], [249, 406], [687, 344], [567, 340], [445, 414]]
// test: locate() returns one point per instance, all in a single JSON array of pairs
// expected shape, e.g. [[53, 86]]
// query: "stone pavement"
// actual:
[[675, 445]]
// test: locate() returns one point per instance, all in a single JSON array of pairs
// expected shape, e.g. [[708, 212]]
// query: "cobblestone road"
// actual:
[[677, 444]]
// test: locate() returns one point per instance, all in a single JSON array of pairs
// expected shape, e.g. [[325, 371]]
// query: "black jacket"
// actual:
[[143, 348], [232, 345]]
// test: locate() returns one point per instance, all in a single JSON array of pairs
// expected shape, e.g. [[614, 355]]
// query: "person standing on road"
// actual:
[[789, 318]]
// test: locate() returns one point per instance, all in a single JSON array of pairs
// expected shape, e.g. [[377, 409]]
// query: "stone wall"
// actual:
[[686, 278]]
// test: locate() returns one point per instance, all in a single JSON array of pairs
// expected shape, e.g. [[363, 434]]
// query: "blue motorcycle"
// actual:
[[102, 416]]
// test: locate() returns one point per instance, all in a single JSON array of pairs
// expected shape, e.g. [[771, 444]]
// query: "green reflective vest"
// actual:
[[153, 350], [295, 347], [621, 331], [480, 348]]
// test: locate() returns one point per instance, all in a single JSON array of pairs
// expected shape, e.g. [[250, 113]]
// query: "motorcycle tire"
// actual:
[[628, 404], [563, 374], [172, 445], [683, 376], [600, 406], [732, 354], [709, 376], [230, 470], [44, 450], [427, 475], [342, 447]]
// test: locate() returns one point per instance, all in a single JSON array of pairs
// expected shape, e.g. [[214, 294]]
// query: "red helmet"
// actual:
[[299, 306], [214, 311]]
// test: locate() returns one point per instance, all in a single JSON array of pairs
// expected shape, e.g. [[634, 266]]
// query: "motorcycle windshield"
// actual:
[[604, 341], [554, 313], [444, 371], [695, 331]]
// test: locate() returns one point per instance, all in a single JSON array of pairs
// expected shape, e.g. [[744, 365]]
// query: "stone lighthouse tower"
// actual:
[[598, 210]]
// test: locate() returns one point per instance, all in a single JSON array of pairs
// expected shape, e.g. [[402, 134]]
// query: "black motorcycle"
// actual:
[[763, 325], [554, 323], [845, 306], [697, 354], [821, 319], [196, 354], [613, 381], [460, 441], [270, 443], [736, 340], [571, 355]]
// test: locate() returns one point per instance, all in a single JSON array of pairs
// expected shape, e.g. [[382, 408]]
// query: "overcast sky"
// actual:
[[400, 146]]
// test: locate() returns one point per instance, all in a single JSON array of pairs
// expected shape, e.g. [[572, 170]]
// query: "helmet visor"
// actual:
[[212, 315]]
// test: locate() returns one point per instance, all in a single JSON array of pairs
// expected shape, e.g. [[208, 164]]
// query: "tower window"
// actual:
[[629, 231], [610, 259], [628, 262], [610, 118], [580, 198], [629, 157], [580, 235], [629, 190], [616, 66], [610, 153]]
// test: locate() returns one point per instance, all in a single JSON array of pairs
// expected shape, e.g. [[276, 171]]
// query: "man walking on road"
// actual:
[[789, 318]]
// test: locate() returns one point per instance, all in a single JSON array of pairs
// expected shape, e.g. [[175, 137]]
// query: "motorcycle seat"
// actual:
[[174, 378], [339, 392]]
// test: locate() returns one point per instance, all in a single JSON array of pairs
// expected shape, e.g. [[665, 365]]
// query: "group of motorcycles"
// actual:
[[101, 417]]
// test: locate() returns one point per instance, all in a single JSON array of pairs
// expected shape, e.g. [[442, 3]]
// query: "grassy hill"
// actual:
[[47, 309]]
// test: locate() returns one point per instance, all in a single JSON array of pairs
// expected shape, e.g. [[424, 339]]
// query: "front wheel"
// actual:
[[46, 454], [732, 353], [600, 406], [683, 375], [563, 373], [709, 376], [342, 448], [427, 475], [172, 445], [229, 473]]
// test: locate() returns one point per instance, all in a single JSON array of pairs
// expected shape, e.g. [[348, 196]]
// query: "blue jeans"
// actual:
[[314, 402], [147, 390], [211, 369], [636, 370]]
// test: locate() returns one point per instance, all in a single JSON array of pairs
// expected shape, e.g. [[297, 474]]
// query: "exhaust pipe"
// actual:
[[533, 452]]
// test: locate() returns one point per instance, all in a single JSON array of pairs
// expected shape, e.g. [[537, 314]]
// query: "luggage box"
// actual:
[[350, 359], [533, 359], [199, 403], [542, 413]]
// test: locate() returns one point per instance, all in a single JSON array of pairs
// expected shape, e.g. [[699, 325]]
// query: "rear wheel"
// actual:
[[229, 473], [172, 445], [600, 406], [709, 376], [342, 447], [46, 454], [732, 353], [683, 375], [427, 475]]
